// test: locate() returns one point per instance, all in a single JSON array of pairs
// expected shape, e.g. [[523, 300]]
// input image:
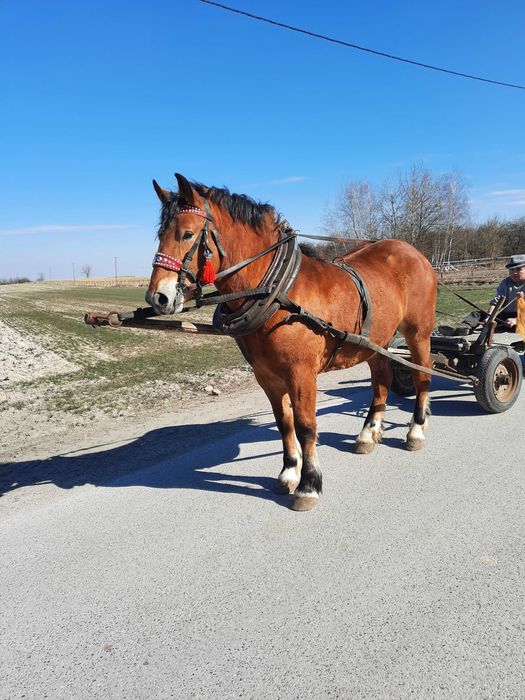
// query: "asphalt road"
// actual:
[[168, 568]]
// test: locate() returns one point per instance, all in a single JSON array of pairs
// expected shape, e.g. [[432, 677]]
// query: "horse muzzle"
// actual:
[[168, 299]]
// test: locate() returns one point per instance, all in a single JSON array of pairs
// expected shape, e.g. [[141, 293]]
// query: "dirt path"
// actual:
[[33, 433]]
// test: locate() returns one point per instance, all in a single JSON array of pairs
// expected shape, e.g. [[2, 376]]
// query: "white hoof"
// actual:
[[416, 436], [368, 438]]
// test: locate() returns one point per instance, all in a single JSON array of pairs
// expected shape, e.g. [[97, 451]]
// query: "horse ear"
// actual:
[[163, 195], [185, 190]]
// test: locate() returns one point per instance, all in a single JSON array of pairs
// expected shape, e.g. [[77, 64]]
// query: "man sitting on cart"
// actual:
[[511, 288]]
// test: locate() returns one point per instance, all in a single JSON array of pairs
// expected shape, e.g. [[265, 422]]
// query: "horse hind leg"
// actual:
[[419, 422], [372, 430]]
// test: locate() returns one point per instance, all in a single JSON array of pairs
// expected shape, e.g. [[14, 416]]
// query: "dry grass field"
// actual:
[[108, 368]]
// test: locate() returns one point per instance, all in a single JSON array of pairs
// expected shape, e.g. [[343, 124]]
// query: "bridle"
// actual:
[[207, 274]]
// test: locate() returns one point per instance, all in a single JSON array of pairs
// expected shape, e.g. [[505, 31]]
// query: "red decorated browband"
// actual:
[[167, 262], [193, 210]]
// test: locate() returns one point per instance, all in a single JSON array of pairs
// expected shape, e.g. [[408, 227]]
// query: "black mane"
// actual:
[[239, 206], [312, 251]]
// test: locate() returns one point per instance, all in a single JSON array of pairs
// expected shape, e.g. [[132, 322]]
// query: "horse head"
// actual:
[[188, 252]]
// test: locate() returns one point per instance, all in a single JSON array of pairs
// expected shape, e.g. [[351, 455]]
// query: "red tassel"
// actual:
[[208, 273]]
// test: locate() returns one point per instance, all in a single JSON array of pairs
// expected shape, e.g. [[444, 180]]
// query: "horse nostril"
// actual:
[[161, 299]]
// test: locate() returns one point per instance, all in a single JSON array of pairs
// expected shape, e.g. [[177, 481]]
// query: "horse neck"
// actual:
[[241, 242]]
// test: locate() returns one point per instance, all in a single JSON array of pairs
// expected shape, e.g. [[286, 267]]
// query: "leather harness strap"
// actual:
[[364, 296]]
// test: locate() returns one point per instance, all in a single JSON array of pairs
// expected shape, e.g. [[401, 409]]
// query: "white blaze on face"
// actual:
[[168, 287], [179, 303]]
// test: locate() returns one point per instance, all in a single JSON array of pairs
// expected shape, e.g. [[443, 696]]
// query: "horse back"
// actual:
[[401, 283], [394, 264]]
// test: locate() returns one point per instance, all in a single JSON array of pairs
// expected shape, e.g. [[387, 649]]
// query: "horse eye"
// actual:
[[187, 235]]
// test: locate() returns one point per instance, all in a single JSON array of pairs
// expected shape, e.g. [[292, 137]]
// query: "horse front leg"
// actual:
[[372, 431], [303, 396], [420, 354], [276, 392], [290, 474]]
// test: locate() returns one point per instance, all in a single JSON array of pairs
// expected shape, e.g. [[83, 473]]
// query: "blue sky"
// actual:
[[98, 98]]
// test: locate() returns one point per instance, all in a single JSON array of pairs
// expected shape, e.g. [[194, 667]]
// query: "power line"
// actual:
[[360, 48]]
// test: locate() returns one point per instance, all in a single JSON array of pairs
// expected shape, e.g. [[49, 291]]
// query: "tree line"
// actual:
[[14, 280], [429, 211]]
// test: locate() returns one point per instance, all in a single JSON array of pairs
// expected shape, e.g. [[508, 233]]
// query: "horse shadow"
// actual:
[[190, 456], [175, 457]]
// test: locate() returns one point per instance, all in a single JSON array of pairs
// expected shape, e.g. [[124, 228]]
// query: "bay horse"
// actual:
[[207, 231]]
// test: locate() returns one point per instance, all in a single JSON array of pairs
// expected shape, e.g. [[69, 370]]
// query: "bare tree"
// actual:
[[390, 206], [455, 215], [491, 238], [422, 209], [418, 207], [86, 271], [515, 236], [356, 214]]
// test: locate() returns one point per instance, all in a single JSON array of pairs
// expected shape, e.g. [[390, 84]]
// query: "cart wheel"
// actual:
[[500, 375], [402, 381]]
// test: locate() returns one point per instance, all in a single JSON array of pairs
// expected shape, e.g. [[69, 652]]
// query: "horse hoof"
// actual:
[[413, 445], [364, 448], [305, 502]]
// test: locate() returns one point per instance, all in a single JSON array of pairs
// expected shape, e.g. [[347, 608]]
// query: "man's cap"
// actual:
[[516, 261]]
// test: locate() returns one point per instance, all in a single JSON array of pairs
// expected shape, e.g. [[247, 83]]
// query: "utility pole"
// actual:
[[74, 273], [50, 273], [116, 276]]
